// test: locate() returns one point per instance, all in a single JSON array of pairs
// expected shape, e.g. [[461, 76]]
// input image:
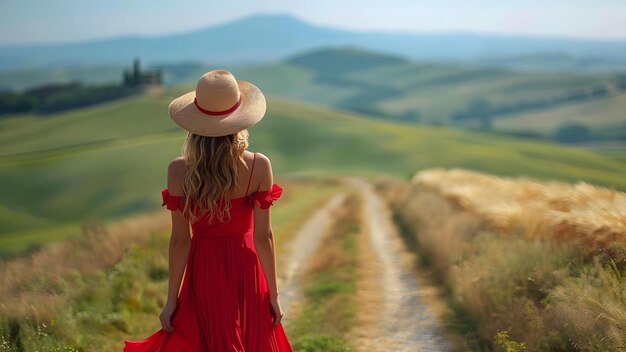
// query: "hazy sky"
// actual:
[[27, 21]]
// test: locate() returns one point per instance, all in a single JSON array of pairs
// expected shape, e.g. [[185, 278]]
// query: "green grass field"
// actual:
[[605, 116], [392, 87], [110, 160]]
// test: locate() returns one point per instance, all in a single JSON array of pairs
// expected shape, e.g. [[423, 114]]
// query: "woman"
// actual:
[[222, 292]]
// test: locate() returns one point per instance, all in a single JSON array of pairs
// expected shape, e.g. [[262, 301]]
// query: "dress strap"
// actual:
[[251, 170]]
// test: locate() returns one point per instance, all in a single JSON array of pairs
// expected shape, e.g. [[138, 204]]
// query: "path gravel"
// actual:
[[404, 319]]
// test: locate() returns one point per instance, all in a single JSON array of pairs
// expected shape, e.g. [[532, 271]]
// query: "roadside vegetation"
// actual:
[[523, 263]]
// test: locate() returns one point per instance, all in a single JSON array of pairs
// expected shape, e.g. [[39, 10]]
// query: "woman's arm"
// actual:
[[180, 242], [264, 239], [265, 247], [178, 253], [263, 235]]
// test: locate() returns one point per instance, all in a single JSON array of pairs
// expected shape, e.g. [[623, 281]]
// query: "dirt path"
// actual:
[[393, 302], [300, 249], [394, 309]]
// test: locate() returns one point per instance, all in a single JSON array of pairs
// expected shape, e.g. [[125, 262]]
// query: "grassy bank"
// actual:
[[70, 299], [544, 263], [329, 313], [90, 292]]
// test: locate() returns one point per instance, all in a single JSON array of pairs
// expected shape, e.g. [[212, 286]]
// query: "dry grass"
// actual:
[[32, 286], [592, 216], [543, 261]]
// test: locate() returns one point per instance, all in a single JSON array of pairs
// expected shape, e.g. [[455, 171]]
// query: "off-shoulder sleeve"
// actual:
[[264, 199], [172, 202]]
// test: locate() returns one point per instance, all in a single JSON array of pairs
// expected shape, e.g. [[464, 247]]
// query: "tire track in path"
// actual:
[[301, 248], [402, 319]]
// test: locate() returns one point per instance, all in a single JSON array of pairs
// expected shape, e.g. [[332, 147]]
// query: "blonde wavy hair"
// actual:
[[211, 174]]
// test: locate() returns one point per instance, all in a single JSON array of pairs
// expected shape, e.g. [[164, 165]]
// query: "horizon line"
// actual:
[[493, 34]]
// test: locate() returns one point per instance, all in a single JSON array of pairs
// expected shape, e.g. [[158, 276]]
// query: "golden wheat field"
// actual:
[[592, 215], [543, 263]]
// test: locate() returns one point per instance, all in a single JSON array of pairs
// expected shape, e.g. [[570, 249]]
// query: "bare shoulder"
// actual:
[[263, 171], [175, 172], [263, 162], [178, 166]]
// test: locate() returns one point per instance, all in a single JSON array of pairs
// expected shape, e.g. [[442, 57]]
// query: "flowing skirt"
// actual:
[[223, 304]]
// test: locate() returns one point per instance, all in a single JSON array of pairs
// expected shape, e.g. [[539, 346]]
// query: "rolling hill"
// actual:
[[265, 38], [110, 160], [383, 85], [393, 87]]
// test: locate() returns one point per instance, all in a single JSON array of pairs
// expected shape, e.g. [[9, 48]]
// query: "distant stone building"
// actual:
[[135, 78]]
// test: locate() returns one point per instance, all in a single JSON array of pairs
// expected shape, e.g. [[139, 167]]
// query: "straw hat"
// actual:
[[220, 105]]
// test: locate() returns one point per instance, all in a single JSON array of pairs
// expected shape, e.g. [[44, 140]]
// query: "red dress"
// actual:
[[223, 304]]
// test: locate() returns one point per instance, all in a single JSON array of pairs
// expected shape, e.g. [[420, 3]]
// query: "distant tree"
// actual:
[[620, 82], [572, 133], [11, 103], [599, 91], [59, 97], [411, 115], [485, 122], [476, 109], [479, 107]]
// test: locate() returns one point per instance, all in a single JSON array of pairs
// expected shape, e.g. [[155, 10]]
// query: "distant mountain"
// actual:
[[265, 38], [249, 40]]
